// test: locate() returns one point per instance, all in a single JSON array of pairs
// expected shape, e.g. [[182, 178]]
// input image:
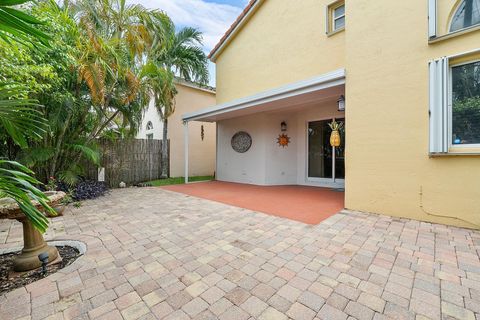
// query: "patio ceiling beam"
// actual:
[[324, 81]]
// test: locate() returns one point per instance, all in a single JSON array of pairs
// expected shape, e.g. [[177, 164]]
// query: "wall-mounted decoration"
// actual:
[[202, 132], [241, 142], [335, 139], [283, 126], [283, 140]]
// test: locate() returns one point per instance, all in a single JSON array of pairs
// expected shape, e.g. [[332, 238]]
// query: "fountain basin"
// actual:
[[33, 242]]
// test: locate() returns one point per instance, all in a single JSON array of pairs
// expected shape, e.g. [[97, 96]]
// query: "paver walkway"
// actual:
[[155, 254]]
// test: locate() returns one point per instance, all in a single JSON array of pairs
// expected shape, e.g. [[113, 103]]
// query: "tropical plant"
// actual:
[[159, 86], [20, 120], [17, 183], [18, 26], [51, 77], [179, 53], [87, 81]]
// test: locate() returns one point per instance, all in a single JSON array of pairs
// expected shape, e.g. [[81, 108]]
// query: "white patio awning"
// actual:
[[320, 88]]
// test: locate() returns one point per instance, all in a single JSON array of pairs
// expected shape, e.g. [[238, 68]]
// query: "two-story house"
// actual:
[[402, 76]]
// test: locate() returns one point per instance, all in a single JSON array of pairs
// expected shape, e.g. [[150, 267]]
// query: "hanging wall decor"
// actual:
[[335, 139], [283, 140], [241, 142]]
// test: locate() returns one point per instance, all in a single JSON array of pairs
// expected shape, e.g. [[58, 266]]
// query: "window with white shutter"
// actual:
[[454, 104]]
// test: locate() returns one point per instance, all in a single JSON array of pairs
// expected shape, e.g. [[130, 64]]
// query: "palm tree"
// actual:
[[20, 119], [159, 85], [179, 54], [105, 40], [117, 36]]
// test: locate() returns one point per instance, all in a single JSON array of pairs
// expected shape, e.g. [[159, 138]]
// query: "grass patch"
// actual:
[[178, 180]]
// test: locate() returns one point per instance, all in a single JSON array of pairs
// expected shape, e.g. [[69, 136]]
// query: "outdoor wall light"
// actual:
[[341, 103], [283, 126], [43, 257]]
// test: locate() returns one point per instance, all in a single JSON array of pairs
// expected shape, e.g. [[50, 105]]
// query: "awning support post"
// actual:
[[185, 127]]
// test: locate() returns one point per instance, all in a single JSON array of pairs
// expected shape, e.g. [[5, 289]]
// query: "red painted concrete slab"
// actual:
[[301, 203]]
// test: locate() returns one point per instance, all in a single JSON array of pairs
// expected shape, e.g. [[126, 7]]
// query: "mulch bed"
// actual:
[[68, 254]]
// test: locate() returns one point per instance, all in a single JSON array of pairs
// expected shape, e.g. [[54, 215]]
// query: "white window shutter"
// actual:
[[438, 106], [432, 18]]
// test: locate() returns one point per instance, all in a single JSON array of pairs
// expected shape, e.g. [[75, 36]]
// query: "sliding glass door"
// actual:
[[325, 163]]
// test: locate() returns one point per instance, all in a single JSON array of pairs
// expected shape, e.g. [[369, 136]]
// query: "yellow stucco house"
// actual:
[[403, 77], [190, 97]]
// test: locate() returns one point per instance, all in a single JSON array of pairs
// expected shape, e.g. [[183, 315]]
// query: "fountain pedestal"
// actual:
[[33, 245]]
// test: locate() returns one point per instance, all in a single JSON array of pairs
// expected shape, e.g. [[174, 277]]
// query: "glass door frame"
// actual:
[[324, 182]]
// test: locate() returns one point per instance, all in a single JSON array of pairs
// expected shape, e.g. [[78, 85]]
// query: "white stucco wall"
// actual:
[[266, 163], [248, 167], [151, 114], [280, 163]]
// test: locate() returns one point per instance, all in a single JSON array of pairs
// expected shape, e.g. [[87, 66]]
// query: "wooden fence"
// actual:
[[131, 161]]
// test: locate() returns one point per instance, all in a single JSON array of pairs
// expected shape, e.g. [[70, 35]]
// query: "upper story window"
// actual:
[[335, 17], [465, 103], [467, 15], [149, 125], [339, 18]]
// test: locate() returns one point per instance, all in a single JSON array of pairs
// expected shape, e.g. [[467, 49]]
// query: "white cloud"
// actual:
[[213, 19]]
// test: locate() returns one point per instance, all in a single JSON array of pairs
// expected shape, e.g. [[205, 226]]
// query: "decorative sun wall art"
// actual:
[[283, 140]]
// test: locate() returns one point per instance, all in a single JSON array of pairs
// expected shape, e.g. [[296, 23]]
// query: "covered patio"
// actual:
[[283, 133], [305, 204]]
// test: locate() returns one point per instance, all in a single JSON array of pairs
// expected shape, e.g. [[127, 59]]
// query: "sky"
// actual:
[[211, 17]]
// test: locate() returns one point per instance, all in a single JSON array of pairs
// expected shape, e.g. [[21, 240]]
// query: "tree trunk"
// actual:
[[165, 158]]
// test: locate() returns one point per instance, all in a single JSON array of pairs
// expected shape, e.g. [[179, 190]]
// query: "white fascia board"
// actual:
[[237, 28], [323, 81]]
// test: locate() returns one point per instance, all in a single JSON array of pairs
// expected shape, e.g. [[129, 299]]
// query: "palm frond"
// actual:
[[19, 26], [21, 118], [32, 156], [71, 175], [17, 183], [94, 77]]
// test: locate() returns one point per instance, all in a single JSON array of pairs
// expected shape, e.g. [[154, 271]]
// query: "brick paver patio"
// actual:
[[155, 254]]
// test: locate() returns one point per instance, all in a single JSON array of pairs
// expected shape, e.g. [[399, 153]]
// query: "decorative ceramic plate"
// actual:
[[241, 142]]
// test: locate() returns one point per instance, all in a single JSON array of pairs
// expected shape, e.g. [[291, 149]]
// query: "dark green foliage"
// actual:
[[85, 189]]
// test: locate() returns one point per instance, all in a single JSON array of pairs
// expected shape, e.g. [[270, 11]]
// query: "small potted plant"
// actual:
[[335, 140]]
